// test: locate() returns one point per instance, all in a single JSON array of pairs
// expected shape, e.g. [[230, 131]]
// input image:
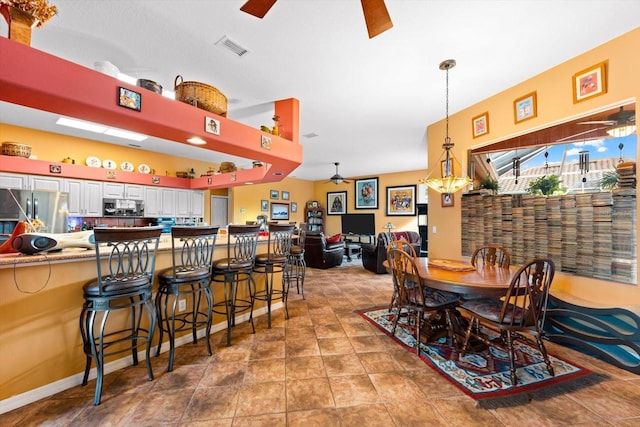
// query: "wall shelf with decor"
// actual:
[[315, 215]]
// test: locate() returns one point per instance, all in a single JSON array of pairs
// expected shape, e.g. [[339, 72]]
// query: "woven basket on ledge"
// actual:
[[201, 95], [16, 149]]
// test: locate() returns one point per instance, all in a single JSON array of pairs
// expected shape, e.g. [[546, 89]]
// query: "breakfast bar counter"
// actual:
[[40, 303]]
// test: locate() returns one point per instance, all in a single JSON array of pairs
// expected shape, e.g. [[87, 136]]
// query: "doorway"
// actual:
[[219, 211]]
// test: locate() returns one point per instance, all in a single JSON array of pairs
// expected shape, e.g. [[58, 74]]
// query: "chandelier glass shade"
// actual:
[[449, 183]]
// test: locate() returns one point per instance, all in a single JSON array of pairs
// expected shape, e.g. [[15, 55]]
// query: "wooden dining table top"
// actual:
[[481, 281]]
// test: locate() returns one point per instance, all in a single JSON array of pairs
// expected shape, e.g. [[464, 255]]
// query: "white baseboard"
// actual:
[[50, 389]]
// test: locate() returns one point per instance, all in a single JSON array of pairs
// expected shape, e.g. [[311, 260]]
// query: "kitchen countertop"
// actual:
[[78, 254]]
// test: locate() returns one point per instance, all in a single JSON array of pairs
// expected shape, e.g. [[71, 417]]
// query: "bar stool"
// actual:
[[237, 268], [188, 279], [124, 282], [296, 266], [274, 261]]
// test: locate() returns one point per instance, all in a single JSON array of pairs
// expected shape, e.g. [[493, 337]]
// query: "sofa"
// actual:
[[318, 253], [373, 255]]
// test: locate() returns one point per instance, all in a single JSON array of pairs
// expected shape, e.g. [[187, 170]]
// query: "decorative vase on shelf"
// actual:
[[20, 24]]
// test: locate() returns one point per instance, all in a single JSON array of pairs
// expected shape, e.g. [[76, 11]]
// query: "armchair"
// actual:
[[374, 255], [320, 254]]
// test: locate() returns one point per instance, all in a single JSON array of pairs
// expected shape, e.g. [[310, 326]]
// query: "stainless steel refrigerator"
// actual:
[[50, 207]]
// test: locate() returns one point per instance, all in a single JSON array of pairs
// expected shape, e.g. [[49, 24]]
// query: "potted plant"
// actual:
[[609, 180], [488, 183], [545, 185], [23, 15]]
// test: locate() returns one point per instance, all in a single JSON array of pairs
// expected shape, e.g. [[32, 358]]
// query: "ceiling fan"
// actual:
[[621, 118], [337, 178], [376, 15]]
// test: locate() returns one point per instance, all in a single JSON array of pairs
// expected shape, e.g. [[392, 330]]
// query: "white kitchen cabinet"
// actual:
[[37, 182], [152, 202], [168, 197], [112, 190], [14, 181], [189, 203], [134, 192], [85, 197]]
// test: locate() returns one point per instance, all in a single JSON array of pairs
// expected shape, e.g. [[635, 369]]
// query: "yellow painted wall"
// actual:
[[405, 223], [555, 104]]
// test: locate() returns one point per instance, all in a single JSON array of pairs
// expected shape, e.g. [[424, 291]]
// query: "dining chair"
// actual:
[[125, 262], [493, 255], [521, 310], [415, 299], [405, 246]]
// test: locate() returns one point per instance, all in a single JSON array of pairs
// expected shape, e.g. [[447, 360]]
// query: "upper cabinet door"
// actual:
[[14, 181], [135, 192], [45, 183], [113, 190]]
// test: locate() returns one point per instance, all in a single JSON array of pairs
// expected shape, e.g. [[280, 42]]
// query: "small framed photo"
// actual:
[[55, 169], [212, 125], [480, 124], [367, 193], [285, 195], [129, 99], [264, 205], [294, 207], [446, 168], [279, 211], [524, 108], [337, 203], [274, 194], [447, 200], [265, 142], [401, 200], [590, 82]]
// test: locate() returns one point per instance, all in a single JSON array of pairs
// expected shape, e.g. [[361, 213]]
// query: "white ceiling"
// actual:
[[368, 100]]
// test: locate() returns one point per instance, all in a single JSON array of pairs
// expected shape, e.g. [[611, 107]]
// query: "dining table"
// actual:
[[467, 280]]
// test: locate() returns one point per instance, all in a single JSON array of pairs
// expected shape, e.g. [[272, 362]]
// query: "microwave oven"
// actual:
[[123, 207]]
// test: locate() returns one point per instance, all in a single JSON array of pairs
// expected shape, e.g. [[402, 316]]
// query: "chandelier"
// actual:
[[449, 183]]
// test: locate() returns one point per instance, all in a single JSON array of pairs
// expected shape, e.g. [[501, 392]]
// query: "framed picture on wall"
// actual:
[[337, 203], [401, 200], [294, 207], [480, 124], [279, 211], [447, 200], [285, 195], [367, 193], [524, 108], [274, 194], [590, 82], [264, 205], [128, 98]]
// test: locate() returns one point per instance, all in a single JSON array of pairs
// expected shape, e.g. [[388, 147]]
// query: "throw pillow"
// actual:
[[334, 239]]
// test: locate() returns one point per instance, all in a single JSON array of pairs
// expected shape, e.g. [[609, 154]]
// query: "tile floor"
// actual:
[[325, 366]]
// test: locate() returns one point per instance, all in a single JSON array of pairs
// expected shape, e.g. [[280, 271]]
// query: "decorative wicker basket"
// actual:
[[227, 167], [201, 95], [16, 149]]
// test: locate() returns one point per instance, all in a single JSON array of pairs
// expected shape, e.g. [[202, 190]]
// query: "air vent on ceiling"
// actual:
[[226, 43], [310, 135]]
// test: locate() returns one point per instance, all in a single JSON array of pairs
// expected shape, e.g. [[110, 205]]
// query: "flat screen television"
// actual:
[[362, 224]]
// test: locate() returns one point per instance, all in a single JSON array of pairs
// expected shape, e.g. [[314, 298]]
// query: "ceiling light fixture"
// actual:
[[621, 131], [98, 128], [196, 141], [448, 183]]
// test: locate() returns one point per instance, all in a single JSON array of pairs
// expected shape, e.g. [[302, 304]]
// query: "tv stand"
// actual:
[[353, 247]]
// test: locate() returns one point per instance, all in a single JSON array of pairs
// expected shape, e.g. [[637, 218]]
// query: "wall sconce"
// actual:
[[388, 226]]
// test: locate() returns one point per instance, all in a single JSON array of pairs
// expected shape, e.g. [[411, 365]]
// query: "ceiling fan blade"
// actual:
[[376, 17], [258, 8], [599, 122]]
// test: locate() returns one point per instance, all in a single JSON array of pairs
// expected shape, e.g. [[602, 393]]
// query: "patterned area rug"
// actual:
[[481, 375]]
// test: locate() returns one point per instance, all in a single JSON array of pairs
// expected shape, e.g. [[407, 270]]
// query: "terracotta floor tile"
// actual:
[[365, 415], [224, 374], [419, 413], [268, 350], [367, 343], [300, 331], [157, 408], [182, 377], [395, 386], [353, 390], [211, 403], [343, 364], [333, 330], [314, 418], [271, 420], [265, 370], [299, 368], [340, 345], [302, 347], [379, 362], [262, 398], [312, 393]]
